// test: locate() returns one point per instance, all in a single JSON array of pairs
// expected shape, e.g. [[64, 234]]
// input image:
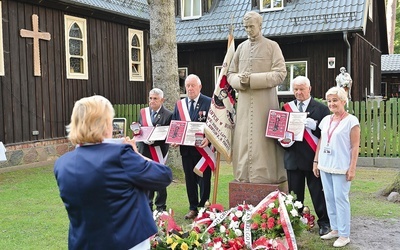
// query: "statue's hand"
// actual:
[[245, 78]]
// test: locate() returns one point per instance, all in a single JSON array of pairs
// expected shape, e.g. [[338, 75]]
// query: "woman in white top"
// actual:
[[335, 161]]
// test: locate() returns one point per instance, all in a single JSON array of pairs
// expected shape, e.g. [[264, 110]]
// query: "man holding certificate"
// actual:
[[195, 158], [155, 115], [299, 155]]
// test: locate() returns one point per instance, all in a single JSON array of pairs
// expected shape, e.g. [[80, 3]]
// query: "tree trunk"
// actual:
[[391, 21], [164, 49], [164, 55]]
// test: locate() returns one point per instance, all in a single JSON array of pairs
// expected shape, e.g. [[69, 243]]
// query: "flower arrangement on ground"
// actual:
[[272, 224], [275, 222], [171, 236], [222, 229]]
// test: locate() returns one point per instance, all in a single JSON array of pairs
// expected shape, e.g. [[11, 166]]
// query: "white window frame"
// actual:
[[371, 80], [2, 73], [193, 4], [291, 75], [217, 71], [272, 8], [139, 76], [370, 10], [81, 22]]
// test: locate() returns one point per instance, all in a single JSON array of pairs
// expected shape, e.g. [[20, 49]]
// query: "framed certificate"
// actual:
[[281, 122], [184, 133], [176, 132], [277, 124]]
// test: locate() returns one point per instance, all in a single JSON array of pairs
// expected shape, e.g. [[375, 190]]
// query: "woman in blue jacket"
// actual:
[[104, 184]]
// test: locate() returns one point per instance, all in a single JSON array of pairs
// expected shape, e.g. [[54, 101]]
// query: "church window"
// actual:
[[136, 60], [76, 47]]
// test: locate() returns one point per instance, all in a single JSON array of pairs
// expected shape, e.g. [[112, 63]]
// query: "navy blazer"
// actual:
[[102, 186], [163, 118], [202, 108], [301, 149]]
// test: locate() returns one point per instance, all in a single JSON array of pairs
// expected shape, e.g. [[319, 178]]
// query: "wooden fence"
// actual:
[[379, 123]]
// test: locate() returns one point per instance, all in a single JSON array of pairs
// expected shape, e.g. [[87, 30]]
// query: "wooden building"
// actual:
[[390, 87], [317, 38], [56, 52]]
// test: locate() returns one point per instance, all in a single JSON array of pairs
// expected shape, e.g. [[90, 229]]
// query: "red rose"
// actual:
[[254, 226], [264, 216], [271, 222], [275, 210], [264, 225]]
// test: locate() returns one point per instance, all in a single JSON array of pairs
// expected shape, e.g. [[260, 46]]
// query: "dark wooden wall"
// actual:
[[313, 49], [44, 103]]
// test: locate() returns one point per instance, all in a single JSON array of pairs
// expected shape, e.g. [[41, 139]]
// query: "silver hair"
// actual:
[[157, 91], [193, 76], [301, 80], [340, 92]]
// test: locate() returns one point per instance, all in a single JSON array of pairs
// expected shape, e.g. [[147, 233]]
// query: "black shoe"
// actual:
[[324, 230]]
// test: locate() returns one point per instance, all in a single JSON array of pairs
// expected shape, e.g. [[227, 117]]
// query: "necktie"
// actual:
[[153, 117], [301, 104], [191, 110]]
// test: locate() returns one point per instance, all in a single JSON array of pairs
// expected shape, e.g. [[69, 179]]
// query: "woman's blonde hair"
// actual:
[[91, 118], [340, 92]]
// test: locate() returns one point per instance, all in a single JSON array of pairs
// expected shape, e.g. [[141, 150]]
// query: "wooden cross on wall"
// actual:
[[36, 35]]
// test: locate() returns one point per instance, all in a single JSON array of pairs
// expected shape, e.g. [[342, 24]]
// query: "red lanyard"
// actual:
[[337, 124]]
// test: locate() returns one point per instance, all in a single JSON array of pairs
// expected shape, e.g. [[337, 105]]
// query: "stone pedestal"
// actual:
[[252, 193]]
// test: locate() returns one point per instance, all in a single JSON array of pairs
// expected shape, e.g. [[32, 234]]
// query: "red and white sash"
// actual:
[[208, 157], [311, 139], [155, 151]]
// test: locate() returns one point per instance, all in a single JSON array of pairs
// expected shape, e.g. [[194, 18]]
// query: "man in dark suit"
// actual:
[[195, 108], [155, 115], [299, 155]]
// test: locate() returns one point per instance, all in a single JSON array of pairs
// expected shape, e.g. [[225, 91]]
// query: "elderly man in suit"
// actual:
[[195, 108], [299, 155], [155, 115]]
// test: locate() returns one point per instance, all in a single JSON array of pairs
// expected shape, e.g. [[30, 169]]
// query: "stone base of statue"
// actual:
[[252, 193]]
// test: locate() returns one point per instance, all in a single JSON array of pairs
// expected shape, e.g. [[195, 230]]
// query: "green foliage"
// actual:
[[397, 31]]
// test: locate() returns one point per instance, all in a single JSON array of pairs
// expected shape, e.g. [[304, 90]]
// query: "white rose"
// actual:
[[238, 232], [239, 214], [294, 212], [298, 204]]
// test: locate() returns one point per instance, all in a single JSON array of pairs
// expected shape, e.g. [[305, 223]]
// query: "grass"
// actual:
[[32, 215]]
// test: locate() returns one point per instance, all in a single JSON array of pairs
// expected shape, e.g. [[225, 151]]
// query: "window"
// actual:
[[1, 44], [76, 48], [183, 73], [371, 80], [370, 10], [136, 62], [270, 5], [296, 68], [217, 71], [190, 9]]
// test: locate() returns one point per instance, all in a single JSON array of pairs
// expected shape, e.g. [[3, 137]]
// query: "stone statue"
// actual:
[[344, 81]]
